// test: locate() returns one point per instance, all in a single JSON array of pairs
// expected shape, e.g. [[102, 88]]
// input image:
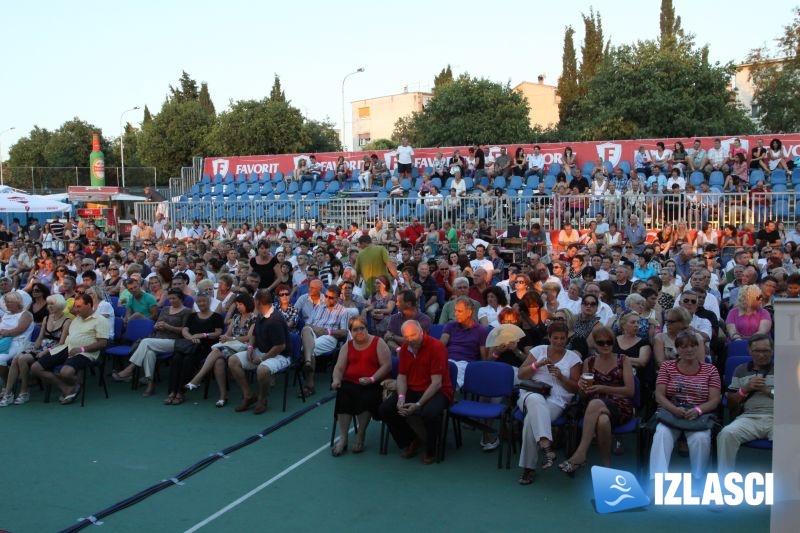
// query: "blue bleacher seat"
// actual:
[[588, 168], [228, 178], [253, 178], [533, 181], [206, 179], [778, 177], [696, 178], [796, 176], [716, 179], [554, 169], [265, 177], [405, 183], [515, 183], [307, 186], [625, 165], [293, 187], [500, 181]]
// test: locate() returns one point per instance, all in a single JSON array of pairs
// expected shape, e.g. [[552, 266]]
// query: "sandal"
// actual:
[[191, 386], [358, 447], [178, 400], [169, 400], [221, 403], [569, 468], [549, 458], [306, 392], [339, 450], [69, 398], [528, 476], [119, 378]]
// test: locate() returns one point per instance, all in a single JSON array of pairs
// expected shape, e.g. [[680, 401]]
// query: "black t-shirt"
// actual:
[[768, 236], [195, 324], [267, 272], [581, 183], [271, 331], [757, 152], [622, 291]]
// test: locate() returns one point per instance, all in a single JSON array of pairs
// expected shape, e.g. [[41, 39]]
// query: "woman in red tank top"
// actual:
[[363, 363]]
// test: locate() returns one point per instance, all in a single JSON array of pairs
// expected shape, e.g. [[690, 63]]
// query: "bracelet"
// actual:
[[401, 396], [250, 347], [205, 335], [699, 411], [372, 379], [83, 349], [329, 331], [533, 366], [741, 392]]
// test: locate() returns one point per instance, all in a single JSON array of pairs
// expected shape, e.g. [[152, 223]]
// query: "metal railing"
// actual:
[[45, 180], [552, 212], [178, 186]]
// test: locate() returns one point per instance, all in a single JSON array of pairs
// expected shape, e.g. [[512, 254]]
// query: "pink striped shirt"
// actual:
[[688, 389]]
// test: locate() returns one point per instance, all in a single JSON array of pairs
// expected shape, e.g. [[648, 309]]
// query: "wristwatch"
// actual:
[[419, 405]]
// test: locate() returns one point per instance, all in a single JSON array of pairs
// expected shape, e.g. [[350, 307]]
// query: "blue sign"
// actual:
[[616, 490]]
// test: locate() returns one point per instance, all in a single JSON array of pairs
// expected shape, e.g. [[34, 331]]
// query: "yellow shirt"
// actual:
[[83, 332]]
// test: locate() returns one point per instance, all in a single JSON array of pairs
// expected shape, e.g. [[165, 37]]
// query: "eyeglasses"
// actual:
[[357, 329], [590, 304], [331, 297], [688, 301], [520, 282], [604, 343], [559, 319], [282, 294]]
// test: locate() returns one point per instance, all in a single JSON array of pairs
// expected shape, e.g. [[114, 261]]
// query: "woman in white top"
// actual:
[[775, 156], [612, 236], [495, 302], [103, 308], [15, 331], [560, 368]]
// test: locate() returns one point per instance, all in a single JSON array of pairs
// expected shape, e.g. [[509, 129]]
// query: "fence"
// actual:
[[552, 212], [189, 176], [46, 180]]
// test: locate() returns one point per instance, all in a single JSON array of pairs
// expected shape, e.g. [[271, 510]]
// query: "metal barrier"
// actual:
[[552, 212], [189, 176], [46, 180]]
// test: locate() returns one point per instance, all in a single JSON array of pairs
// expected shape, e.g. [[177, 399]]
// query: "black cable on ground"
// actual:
[[195, 468]]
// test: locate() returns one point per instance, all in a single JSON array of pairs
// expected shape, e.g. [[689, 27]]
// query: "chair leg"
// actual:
[[383, 447], [102, 379], [83, 387], [285, 388]]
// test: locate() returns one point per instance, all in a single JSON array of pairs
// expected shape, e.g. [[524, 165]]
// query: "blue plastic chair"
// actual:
[[486, 379], [138, 328]]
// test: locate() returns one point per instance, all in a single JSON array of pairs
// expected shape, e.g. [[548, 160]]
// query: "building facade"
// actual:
[[542, 100], [374, 118]]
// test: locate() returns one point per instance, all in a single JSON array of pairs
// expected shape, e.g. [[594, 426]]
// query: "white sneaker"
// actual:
[[22, 398], [489, 446], [7, 399]]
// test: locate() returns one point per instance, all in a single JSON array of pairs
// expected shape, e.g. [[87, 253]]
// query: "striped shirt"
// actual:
[[330, 318], [688, 389]]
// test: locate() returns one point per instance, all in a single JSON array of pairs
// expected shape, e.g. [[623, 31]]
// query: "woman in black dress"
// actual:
[[265, 265], [203, 328], [533, 320]]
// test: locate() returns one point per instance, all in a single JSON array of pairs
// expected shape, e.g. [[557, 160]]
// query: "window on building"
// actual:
[[364, 138], [363, 112]]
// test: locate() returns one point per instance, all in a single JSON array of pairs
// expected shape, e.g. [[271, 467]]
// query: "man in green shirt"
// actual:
[[141, 304], [451, 235], [460, 288], [372, 261]]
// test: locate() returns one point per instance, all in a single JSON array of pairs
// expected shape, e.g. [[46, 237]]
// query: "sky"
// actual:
[[94, 60]]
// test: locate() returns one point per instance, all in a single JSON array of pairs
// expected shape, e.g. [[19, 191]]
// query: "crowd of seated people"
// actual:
[[593, 313]]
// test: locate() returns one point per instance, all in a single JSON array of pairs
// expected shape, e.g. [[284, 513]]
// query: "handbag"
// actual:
[[701, 423], [184, 347], [536, 386]]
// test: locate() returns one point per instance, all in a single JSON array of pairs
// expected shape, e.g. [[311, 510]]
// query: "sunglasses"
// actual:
[[330, 297], [559, 319], [590, 304], [688, 301], [283, 294], [671, 321], [604, 343]]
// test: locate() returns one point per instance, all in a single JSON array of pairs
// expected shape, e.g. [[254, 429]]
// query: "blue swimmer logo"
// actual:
[[616, 490]]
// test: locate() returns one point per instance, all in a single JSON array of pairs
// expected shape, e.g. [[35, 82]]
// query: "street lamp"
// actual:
[[1, 153], [122, 142], [344, 145]]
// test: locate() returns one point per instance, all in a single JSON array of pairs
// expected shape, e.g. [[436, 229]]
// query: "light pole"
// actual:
[[122, 143], [1, 153], [344, 144]]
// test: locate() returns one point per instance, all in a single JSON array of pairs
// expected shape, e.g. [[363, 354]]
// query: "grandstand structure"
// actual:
[[278, 197]]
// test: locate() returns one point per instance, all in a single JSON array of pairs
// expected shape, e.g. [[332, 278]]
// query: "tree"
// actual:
[[277, 94], [444, 77], [379, 144], [591, 51], [406, 127], [176, 134], [320, 136], [567, 89], [147, 116], [186, 90], [253, 127], [642, 91], [71, 144], [776, 82], [205, 99], [670, 27], [470, 110], [27, 152]]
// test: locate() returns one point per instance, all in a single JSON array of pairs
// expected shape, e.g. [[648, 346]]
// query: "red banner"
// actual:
[[613, 151]]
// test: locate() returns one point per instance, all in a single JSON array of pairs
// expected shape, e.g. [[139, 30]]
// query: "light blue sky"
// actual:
[[96, 59]]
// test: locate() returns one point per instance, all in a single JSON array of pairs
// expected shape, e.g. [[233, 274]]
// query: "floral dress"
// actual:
[[614, 378]]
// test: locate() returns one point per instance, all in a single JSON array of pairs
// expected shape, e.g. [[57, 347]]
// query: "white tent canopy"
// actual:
[[12, 201]]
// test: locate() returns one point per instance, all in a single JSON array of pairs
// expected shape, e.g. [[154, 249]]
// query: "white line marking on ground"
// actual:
[[258, 489]]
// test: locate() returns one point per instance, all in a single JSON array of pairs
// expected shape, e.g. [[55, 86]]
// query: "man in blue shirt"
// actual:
[[635, 235]]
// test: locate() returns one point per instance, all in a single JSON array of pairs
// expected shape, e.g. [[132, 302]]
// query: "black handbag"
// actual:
[[185, 347], [701, 423], [536, 386]]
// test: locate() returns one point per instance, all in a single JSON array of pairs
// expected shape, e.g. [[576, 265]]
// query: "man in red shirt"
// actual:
[[304, 234], [414, 231], [423, 389]]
